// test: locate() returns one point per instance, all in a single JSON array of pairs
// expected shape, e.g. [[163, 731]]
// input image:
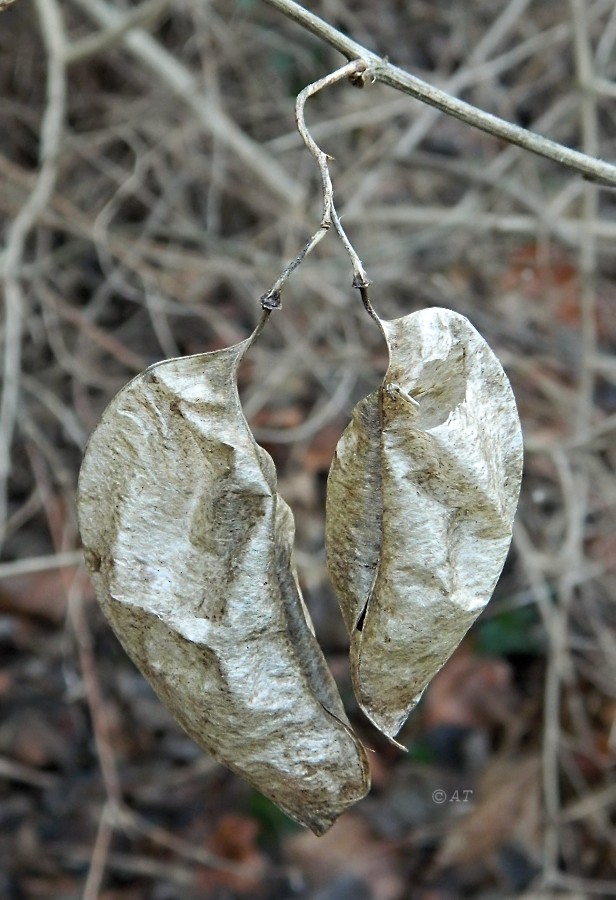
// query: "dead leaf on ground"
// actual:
[[41, 595], [235, 839], [348, 848], [507, 810], [471, 691]]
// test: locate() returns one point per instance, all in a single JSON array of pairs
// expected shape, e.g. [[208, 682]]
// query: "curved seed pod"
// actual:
[[420, 504], [190, 552]]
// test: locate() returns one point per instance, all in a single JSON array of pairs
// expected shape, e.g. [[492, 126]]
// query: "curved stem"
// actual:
[[381, 70], [271, 299]]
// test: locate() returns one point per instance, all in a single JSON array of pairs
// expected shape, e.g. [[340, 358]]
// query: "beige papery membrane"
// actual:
[[420, 504], [189, 547]]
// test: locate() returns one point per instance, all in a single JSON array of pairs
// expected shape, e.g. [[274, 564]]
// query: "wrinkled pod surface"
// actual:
[[421, 498], [189, 548]]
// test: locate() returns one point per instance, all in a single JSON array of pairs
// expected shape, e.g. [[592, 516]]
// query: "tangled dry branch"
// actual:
[[153, 187]]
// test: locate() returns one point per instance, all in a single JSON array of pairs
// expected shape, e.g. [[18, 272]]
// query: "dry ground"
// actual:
[[172, 191]]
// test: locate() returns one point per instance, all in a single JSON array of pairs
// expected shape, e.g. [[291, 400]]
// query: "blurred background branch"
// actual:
[[152, 187], [380, 69]]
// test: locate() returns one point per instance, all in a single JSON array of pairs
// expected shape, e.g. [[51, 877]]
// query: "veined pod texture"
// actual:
[[189, 548], [421, 498]]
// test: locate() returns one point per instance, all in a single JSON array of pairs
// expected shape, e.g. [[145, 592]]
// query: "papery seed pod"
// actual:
[[420, 504], [190, 552]]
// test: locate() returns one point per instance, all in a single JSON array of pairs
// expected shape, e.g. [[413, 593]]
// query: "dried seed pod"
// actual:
[[420, 504], [190, 552]]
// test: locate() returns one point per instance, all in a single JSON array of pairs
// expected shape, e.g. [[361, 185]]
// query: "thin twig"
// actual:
[[100, 854], [145, 13], [179, 79], [28, 566], [302, 343], [94, 697], [15, 771], [478, 67], [575, 482], [115, 814], [271, 299], [133, 823], [52, 30], [357, 68], [383, 71]]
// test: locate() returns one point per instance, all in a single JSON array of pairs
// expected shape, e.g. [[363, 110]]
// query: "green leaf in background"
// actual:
[[514, 631], [273, 821]]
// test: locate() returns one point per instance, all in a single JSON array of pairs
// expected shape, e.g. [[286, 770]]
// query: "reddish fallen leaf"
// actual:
[[470, 691], [348, 848], [40, 595], [235, 839], [507, 811], [602, 548], [42, 737], [318, 457], [549, 277], [278, 417], [6, 683], [594, 753]]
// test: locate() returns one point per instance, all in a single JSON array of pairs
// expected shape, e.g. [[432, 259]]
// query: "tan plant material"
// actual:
[[190, 551], [351, 849], [420, 504], [505, 811]]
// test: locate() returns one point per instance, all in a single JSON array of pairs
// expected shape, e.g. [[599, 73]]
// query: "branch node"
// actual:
[[367, 65], [374, 69], [361, 281], [357, 79], [271, 300]]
